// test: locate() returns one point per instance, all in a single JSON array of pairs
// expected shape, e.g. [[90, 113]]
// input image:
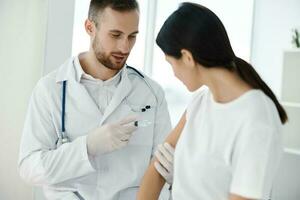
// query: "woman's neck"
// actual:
[[225, 85]]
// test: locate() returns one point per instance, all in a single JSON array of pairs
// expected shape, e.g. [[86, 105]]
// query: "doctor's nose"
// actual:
[[124, 46]]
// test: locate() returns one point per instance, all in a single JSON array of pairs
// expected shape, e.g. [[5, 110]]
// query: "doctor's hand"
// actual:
[[111, 136], [164, 166]]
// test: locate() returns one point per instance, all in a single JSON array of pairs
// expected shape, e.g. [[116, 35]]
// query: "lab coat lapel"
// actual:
[[122, 91]]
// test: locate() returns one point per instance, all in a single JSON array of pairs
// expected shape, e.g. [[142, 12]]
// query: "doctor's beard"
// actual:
[[107, 59]]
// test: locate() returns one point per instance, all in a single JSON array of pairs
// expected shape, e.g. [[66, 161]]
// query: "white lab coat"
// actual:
[[67, 168]]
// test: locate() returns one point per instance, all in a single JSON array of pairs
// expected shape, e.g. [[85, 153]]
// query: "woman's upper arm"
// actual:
[[176, 132], [236, 197], [152, 181]]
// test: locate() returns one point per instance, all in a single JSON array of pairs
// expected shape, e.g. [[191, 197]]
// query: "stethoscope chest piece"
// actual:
[[65, 140]]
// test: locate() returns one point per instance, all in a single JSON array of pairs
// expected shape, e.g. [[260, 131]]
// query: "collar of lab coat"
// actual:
[[67, 72]]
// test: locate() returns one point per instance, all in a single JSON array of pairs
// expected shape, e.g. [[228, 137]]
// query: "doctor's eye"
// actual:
[[132, 37], [115, 35]]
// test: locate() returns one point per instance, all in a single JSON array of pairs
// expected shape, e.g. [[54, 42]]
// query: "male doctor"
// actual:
[[103, 151]]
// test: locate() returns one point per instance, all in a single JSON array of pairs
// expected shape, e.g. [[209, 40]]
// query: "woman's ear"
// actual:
[[187, 58], [90, 27]]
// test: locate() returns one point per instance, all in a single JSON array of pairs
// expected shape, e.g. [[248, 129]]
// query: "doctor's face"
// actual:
[[115, 35]]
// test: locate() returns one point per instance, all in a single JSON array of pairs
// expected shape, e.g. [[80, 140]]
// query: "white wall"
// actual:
[[287, 182], [273, 21], [22, 38], [59, 33]]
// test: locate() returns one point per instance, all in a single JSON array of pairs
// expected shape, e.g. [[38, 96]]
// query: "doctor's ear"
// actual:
[[90, 27], [187, 58]]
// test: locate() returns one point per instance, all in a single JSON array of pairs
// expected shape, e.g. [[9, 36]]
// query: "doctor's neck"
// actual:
[[90, 65]]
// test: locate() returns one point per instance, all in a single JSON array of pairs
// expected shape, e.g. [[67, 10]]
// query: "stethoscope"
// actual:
[[63, 137]]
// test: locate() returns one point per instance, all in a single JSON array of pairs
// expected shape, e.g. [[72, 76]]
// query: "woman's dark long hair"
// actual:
[[199, 30]]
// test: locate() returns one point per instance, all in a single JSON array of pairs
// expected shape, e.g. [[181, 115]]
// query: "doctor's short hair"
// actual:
[[96, 6]]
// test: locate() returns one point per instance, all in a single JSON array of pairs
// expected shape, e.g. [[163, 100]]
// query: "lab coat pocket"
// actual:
[[129, 193], [60, 194]]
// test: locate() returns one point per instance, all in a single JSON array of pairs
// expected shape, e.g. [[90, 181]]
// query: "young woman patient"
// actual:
[[228, 142]]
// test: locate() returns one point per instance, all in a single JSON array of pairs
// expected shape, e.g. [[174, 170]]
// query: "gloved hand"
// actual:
[[110, 137], [165, 155]]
